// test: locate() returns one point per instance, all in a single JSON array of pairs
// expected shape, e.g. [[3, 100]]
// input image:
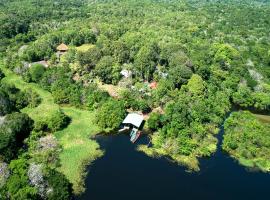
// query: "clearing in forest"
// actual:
[[263, 118]]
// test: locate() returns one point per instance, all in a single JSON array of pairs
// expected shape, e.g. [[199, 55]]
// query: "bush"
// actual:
[[2, 75], [36, 72], [64, 91], [104, 69], [89, 58], [96, 97], [6, 106], [144, 107], [110, 114], [32, 98], [40, 125], [13, 131], [243, 97], [154, 121], [262, 101], [17, 186], [58, 120], [61, 188]]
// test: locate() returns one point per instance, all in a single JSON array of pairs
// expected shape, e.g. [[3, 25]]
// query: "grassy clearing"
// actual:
[[78, 149], [85, 47], [113, 90], [263, 118]]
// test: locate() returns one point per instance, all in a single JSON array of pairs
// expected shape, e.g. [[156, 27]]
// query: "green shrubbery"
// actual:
[[12, 99], [95, 97], [247, 140], [54, 122], [110, 114], [154, 121], [17, 186], [61, 187], [2, 75], [36, 72], [45, 183], [14, 129], [246, 98]]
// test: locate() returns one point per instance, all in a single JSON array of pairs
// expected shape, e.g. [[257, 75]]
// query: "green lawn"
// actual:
[[78, 149]]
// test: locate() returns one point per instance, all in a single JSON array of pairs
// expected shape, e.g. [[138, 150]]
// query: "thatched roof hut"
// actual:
[[62, 47]]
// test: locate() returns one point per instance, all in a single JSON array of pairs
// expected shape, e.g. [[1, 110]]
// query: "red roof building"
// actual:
[[153, 85]]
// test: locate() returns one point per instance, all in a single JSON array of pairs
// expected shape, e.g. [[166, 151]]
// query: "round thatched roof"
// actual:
[[62, 47]]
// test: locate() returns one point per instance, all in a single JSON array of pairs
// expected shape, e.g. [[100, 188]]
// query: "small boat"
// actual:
[[124, 128], [134, 135]]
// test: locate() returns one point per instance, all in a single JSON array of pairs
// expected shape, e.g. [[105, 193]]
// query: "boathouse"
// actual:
[[134, 119]]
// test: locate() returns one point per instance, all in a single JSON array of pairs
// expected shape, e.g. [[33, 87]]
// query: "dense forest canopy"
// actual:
[[185, 64]]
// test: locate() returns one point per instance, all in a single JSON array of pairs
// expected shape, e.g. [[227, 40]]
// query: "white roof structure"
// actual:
[[126, 73], [134, 119]]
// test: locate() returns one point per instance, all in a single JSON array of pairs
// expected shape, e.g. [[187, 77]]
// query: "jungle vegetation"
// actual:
[[204, 58], [247, 139]]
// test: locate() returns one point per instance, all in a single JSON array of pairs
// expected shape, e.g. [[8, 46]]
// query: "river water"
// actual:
[[126, 174]]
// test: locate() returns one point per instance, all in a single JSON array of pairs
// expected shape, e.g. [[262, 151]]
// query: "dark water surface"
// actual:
[[125, 174]]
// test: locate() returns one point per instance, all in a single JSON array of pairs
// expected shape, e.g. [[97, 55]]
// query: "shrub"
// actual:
[[36, 72], [154, 121], [110, 114], [104, 69], [2, 75], [58, 120], [32, 98], [6, 105], [96, 97], [247, 140], [61, 188], [13, 131], [17, 186]]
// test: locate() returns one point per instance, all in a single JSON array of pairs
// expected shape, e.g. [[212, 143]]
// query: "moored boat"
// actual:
[[134, 135]]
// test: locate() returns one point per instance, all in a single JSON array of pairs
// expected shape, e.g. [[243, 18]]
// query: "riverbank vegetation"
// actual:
[[78, 150], [183, 64], [248, 140]]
